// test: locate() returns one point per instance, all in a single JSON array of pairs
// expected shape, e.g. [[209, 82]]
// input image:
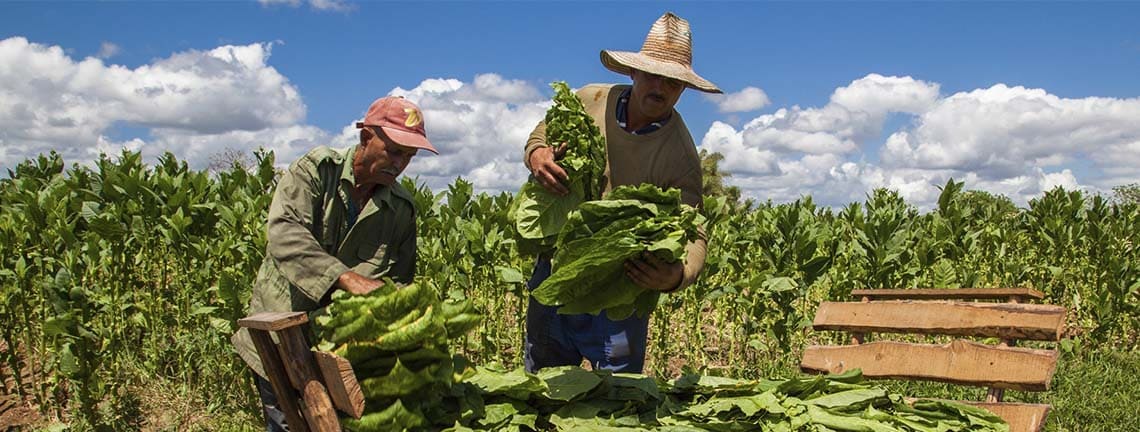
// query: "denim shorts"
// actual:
[[563, 340]]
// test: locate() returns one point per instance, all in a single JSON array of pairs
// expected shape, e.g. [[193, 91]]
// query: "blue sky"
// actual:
[[829, 99]]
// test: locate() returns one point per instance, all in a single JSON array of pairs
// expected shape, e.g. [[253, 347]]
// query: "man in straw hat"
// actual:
[[339, 220], [646, 142]]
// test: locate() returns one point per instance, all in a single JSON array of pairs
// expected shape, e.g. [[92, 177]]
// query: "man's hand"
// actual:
[[547, 173], [356, 284], [650, 272]]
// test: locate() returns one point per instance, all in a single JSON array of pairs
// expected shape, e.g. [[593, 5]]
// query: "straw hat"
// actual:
[[668, 51]]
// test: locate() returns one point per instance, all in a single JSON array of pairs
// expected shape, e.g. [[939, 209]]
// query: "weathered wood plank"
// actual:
[[949, 294], [341, 382], [274, 321], [1001, 320], [959, 362], [287, 397], [318, 407]]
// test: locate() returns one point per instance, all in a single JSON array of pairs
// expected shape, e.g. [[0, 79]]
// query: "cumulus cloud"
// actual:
[[748, 99], [49, 101], [198, 104], [855, 114], [479, 127], [1002, 130], [1010, 140]]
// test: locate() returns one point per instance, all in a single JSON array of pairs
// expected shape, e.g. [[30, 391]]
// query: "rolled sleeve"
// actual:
[[536, 140]]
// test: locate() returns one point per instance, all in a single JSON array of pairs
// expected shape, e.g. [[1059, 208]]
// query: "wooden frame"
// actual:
[[940, 312]]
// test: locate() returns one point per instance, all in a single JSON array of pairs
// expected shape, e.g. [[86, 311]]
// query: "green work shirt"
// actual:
[[310, 242]]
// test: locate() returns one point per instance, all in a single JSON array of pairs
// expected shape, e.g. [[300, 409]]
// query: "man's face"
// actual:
[[654, 95], [381, 160]]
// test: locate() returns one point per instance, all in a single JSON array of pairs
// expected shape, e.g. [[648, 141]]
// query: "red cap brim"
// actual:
[[409, 139]]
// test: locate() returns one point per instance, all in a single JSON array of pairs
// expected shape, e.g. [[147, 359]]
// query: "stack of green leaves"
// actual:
[[601, 235], [396, 339], [573, 399], [834, 402], [561, 398], [538, 215]]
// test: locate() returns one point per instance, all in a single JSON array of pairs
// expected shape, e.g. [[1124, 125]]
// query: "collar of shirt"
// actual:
[[347, 181], [623, 114]]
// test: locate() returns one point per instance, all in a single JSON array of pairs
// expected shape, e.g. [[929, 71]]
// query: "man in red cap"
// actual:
[[339, 220]]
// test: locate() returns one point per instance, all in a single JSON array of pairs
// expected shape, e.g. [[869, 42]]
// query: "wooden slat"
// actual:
[[959, 362], [287, 397], [1021, 417], [274, 321], [949, 294], [1001, 320], [318, 407], [341, 382]]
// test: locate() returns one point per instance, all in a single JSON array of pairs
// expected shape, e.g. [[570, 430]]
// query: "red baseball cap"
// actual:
[[400, 119]]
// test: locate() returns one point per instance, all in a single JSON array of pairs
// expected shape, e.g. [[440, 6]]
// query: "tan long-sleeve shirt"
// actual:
[[666, 158]]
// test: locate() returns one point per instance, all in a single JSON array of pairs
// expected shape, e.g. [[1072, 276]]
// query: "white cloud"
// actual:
[[1002, 130], [288, 143], [331, 5], [107, 50], [323, 5], [49, 101], [724, 139], [855, 114], [197, 104], [480, 129], [748, 99], [1014, 141]]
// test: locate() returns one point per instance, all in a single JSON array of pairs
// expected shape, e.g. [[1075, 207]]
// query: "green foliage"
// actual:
[[122, 275], [713, 178], [570, 398], [538, 215], [1127, 194], [589, 275]]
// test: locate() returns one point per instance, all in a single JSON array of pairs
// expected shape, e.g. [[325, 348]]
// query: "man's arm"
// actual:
[[292, 244], [540, 158]]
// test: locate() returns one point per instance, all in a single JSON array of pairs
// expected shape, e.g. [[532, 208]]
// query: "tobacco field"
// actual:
[[122, 283]]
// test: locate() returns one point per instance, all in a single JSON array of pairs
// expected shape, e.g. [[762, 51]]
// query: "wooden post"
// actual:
[[997, 394], [318, 407], [857, 338], [275, 369]]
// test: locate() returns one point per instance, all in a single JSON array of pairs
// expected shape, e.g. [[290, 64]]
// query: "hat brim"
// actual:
[[409, 139], [623, 62]]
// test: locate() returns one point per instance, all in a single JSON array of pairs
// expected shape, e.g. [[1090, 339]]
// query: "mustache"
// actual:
[[391, 171]]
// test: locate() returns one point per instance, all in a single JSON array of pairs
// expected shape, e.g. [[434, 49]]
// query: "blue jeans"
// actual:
[[274, 417], [563, 340]]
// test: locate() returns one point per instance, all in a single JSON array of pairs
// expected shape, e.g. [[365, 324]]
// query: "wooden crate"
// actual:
[[947, 312]]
